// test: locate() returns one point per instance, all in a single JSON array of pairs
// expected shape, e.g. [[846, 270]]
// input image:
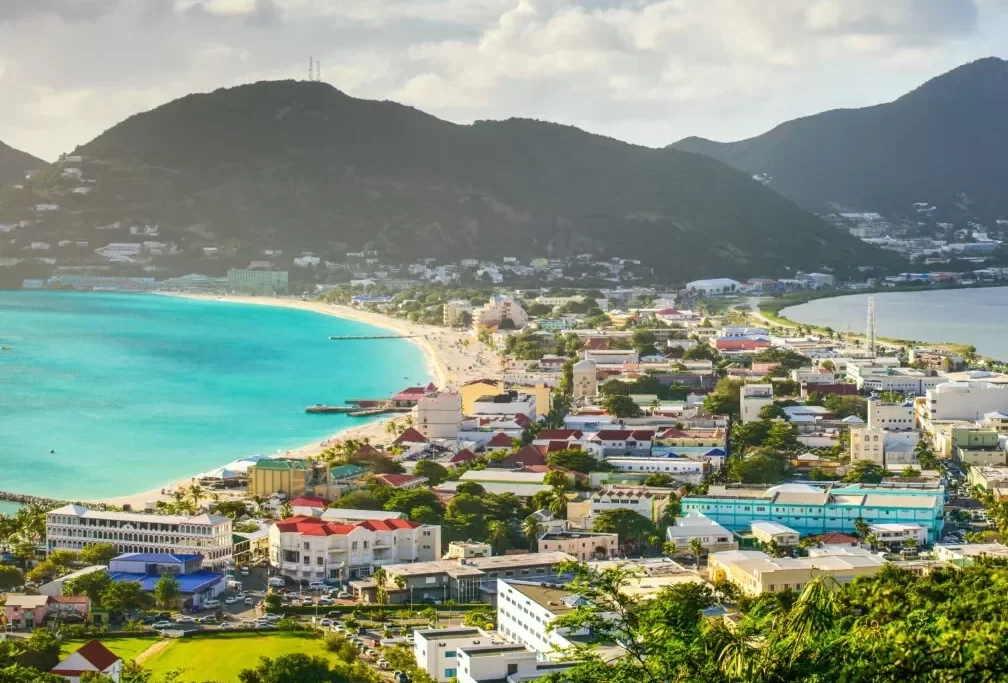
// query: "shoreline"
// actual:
[[453, 358]]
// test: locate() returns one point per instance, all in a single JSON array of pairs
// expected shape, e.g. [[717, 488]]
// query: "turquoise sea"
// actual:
[[977, 316], [112, 394]]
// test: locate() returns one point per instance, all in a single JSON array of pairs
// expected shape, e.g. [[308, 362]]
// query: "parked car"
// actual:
[[343, 595], [208, 619], [326, 602], [249, 601], [183, 619], [383, 663], [225, 627], [326, 623], [334, 614], [316, 585], [230, 600], [276, 582], [161, 625]]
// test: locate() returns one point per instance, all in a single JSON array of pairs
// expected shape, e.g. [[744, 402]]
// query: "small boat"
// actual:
[[5, 348]]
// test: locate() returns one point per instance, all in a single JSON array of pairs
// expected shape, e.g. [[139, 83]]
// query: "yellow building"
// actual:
[[281, 475], [477, 389], [543, 396]]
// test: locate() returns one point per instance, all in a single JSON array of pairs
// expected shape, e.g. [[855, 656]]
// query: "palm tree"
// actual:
[[381, 594], [286, 511], [861, 528], [697, 547], [558, 504], [531, 530], [872, 540], [498, 535]]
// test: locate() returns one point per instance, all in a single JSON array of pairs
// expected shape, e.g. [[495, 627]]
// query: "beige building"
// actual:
[[584, 545], [752, 398], [756, 573], [293, 477], [438, 416], [783, 536], [695, 526], [585, 381], [453, 311], [498, 309], [896, 417], [464, 550]]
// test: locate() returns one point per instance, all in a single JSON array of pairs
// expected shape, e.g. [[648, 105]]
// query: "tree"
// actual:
[[10, 578], [865, 472], [404, 500], [97, 553], [630, 526], [64, 559], [576, 460], [435, 472], [93, 585], [381, 591], [297, 667], [697, 547], [425, 514], [43, 650], [499, 535], [761, 466], [620, 406], [861, 528], [772, 411], [724, 399], [358, 500], [925, 453], [565, 386], [909, 472], [659, 479], [481, 618], [614, 387], [166, 591], [782, 436], [558, 504], [469, 487], [555, 478], [124, 596], [532, 530]]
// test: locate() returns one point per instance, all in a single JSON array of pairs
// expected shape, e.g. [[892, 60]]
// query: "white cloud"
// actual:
[[650, 71]]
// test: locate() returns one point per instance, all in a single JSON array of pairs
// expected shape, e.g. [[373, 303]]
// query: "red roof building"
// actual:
[[402, 481], [741, 344], [500, 441], [309, 502], [836, 538], [410, 436], [464, 455], [92, 656], [559, 435], [524, 457]]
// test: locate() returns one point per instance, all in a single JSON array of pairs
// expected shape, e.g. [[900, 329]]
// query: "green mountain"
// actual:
[[14, 163], [300, 165], [947, 137]]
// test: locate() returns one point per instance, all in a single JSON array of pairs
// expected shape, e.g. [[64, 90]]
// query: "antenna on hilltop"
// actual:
[[871, 325], [318, 70], [311, 69]]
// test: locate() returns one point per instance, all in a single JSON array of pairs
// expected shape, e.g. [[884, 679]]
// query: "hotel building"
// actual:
[[73, 527]]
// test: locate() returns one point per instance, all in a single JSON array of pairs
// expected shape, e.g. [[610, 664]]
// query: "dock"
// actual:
[[320, 408], [357, 337]]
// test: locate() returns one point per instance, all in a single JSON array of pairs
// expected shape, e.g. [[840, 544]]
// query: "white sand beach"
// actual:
[[454, 357]]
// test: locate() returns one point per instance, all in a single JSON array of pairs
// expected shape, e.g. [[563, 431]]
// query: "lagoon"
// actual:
[[105, 395], [977, 316]]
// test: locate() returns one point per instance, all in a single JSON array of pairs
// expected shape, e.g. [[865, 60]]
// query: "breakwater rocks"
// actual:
[[48, 503]]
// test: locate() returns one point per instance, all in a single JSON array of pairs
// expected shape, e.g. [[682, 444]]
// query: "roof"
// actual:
[[555, 599], [559, 434], [333, 514], [772, 528], [464, 455], [367, 450], [499, 440], [836, 538], [94, 653], [348, 471], [476, 566], [411, 435], [398, 480], [623, 435], [196, 582], [314, 526], [528, 455], [280, 464], [157, 558], [27, 601], [309, 502], [86, 513]]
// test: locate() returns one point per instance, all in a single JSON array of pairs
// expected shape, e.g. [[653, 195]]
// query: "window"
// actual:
[[449, 673], [449, 653], [307, 546]]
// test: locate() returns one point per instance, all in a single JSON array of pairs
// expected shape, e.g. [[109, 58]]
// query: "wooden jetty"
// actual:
[[357, 337]]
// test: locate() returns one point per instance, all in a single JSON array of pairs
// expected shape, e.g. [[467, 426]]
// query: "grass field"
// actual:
[[221, 658], [127, 648]]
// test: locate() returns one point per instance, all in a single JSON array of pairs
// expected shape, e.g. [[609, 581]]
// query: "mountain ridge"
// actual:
[[14, 164], [942, 138], [302, 165]]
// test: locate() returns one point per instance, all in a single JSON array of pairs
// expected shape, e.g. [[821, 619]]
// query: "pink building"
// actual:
[[30, 611]]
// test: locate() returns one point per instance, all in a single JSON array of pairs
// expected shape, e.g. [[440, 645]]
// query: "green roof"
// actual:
[[280, 464], [346, 471]]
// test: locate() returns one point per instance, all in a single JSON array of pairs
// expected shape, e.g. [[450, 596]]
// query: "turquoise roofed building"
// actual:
[[812, 510]]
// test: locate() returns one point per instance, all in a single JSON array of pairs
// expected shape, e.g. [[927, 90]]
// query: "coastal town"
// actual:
[[574, 450]]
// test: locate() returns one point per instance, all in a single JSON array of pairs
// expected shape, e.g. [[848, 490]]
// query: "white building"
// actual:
[[503, 662], [611, 357], [966, 400], [647, 501], [438, 416], [499, 308], [93, 657], [508, 403], [783, 536], [312, 549], [307, 261], [436, 649], [883, 447], [721, 285], [896, 417], [711, 535], [585, 380], [689, 471], [896, 534], [525, 610], [752, 398], [73, 527]]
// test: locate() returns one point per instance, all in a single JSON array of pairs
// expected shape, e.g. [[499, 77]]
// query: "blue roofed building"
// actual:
[[196, 584], [812, 510]]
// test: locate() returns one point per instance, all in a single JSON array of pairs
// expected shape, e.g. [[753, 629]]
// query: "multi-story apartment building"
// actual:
[[498, 309], [647, 501], [585, 380], [311, 549], [689, 471], [965, 401], [896, 417], [453, 311], [584, 545], [257, 281], [757, 573], [815, 510], [73, 527], [438, 416], [883, 447]]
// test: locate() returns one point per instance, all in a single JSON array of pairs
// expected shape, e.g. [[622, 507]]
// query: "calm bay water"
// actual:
[[130, 392], [966, 316]]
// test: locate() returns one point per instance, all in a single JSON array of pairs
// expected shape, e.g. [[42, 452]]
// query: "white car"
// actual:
[[383, 663], [249, 601], [343, 595], [160, 625], [340, 627], [182, 619], [326, 623], [316, 585], [230, 600]]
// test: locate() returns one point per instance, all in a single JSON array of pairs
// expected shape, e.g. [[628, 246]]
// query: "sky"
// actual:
[[646, 71]]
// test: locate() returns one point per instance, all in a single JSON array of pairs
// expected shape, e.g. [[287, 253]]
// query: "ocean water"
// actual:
[[112, 394], [965, 316]]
